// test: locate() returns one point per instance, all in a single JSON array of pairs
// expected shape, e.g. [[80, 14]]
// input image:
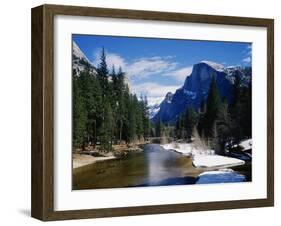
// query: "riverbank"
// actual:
[[83, 158], [203, 158], [122, 150], [150, 167], [80, 160], [154, 166]]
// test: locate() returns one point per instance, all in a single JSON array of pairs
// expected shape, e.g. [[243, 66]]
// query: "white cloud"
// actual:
[[111, 59], [143, 67], [140, 67], [247, 60], [116, 60], [180, 74], [155, 92], [248, 55], [249, 50]]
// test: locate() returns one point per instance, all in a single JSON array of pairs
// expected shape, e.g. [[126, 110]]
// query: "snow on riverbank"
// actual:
[[203, 158], [216, 161], [185, 149], [246, 144]]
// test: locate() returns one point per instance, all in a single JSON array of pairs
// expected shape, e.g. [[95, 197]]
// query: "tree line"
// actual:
[[217, 120], [104, 110]]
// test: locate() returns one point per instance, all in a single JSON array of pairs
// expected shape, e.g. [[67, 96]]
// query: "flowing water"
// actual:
[[152, 167]]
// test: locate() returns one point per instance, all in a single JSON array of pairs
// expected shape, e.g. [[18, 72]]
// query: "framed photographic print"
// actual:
[[141, 112]]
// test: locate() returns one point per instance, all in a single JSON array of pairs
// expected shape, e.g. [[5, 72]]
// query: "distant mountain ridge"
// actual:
[[196, 87]]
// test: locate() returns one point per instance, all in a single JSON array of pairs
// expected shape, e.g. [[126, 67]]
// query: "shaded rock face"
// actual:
[[164, 111], [196, 88]]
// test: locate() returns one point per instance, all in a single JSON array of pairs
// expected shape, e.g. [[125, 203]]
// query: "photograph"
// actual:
[[154, 112]]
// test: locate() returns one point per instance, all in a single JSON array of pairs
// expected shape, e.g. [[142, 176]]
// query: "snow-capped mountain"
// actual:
[[216, 66], [244, 73], [79, 61], [153, 110], [196, 87]]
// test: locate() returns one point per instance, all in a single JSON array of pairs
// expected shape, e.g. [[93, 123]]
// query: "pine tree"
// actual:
[[213, 103], [102, 73], [79, 115], [241, 111], [202, 109], [200, 124], [159, 127], [92, 99], [119, 92], [104, 110], [246, 121], [114, 87], [132, 122], [180, 131], [235, 93], [224, 127], [138, 116], [126, 116], [107, 128], [191, 118], [145, 115]]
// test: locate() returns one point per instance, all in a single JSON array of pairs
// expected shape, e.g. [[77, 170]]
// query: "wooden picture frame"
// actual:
[[43, 108]]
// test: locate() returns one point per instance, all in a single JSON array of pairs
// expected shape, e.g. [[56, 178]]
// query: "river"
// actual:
[[151, 167]]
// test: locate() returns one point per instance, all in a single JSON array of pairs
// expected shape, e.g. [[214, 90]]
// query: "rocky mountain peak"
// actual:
[[169, 97], [196, 88], [80, 62]]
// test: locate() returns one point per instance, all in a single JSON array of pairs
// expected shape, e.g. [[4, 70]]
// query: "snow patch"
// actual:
[[153, 110], [186, 149], [216, 161], [246, 144], [216, 66], [203, 158], [190, 93]]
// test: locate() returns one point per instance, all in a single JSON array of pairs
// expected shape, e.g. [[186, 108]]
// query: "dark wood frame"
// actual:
[[42, 203]]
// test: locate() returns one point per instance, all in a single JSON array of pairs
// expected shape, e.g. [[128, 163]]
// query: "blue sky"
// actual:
[[155, 66]]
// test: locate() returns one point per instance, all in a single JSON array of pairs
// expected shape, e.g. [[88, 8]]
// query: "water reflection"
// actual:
[[154, 166]]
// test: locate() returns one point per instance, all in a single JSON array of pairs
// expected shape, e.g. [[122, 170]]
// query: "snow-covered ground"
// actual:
[[186, 149], [216, 161], [203, 158], [246, 144], [183, 148]]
